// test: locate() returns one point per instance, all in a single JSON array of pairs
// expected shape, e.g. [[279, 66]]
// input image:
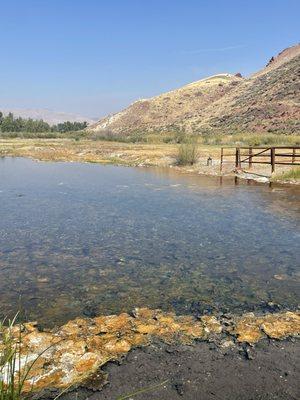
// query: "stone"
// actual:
[[211, 324], [74, 353], [279, 326], [250, 328], [247, 328]]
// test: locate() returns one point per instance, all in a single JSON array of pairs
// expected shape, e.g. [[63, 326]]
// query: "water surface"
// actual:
[[84, 239]]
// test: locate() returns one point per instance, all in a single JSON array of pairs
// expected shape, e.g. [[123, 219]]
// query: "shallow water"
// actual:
[[85, 239]]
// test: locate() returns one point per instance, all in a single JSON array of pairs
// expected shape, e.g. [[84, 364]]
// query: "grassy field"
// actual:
[[237, 139], [103, 151], [156, 151]]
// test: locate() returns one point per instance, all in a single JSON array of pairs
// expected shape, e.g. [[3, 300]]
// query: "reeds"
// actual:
[[187, 153], [14, 366], [291, 175], [12, 375]]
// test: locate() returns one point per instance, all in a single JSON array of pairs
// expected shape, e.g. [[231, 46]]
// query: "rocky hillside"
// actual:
[[267, 101]]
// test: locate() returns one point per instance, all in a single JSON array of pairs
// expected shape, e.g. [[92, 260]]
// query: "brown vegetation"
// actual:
[[268, 101]]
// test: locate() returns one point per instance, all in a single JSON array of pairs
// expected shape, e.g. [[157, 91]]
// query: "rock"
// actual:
[[30, 326], [212, 325], [279, 326], [43, 280], [227, 343], [250, 328], [178, 386], [280, 277], [74, 353], [247, 328]]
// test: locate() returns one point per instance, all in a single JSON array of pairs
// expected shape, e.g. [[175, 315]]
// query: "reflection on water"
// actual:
[[83, 239]]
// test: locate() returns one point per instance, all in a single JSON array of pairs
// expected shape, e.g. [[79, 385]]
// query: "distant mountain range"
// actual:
[[267, 101], [52, 117]]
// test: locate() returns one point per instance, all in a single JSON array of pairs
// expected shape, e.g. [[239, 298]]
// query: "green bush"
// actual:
[[187, 153], [110, 136]]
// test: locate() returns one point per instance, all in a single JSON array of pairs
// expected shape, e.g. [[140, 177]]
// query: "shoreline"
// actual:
[[132, 347], [267, 371], [131, 155], [77, 354]]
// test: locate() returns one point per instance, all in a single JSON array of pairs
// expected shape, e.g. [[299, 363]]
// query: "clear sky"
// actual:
[[94, 57]]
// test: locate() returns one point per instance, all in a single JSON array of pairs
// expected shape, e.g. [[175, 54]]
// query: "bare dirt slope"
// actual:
[[268, 101]]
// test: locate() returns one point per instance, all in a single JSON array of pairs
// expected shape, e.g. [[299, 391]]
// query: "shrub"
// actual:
[[110, 136], [187, 153], [180, 137]]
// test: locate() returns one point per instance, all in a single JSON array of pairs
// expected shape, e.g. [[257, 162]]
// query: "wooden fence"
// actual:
[[278, 155]]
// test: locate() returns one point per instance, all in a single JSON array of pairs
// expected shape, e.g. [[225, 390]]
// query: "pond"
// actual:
[[86, 239]]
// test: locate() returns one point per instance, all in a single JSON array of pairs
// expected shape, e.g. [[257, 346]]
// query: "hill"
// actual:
[[267, 101]]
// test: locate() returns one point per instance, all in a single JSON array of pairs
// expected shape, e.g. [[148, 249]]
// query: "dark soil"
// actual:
[[268, 371]]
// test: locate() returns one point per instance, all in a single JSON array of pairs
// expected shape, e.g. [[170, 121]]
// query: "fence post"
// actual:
[[221, 161], [273, 158], [293, 157], [237, 157], [250, 157]]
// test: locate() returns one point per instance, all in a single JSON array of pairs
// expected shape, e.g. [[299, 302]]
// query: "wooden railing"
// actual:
[[275, 155]]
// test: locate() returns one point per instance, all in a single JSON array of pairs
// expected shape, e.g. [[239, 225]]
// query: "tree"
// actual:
[[68, 126], [9, 123]]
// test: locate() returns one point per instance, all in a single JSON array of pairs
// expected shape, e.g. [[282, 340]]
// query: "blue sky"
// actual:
[[95, 57]]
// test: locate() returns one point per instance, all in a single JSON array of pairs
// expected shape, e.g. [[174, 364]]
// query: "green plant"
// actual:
[[180, 137], [250, 139], [145, 390], [14, 366], [187, 153], [11, 376], [293, 174]]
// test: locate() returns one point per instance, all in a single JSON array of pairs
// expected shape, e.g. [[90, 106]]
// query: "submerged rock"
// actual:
[[251, 328], [74, 353]]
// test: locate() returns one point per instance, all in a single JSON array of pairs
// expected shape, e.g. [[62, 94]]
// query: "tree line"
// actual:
[[10, 123]]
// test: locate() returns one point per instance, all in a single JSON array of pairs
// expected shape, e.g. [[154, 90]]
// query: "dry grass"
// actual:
[[187, 154], [291, 175], [89, 151], [249, 139], [77, 135], [131, 154]]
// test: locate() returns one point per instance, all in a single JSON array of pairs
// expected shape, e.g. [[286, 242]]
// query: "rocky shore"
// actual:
[[202, 371], [77, 351]]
